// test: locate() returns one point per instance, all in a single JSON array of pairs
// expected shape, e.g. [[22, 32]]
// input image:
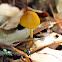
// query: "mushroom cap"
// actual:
[[30, 20]]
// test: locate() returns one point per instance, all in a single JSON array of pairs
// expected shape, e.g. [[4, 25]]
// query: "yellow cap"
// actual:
[[30, 20]]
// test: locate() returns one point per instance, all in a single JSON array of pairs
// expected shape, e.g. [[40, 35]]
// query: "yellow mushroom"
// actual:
[[30, 20]]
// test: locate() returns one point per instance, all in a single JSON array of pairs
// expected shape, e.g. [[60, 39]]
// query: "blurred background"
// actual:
[[36, 4]]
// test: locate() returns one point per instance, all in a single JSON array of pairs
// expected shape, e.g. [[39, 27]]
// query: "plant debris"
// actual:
[[15, 39]]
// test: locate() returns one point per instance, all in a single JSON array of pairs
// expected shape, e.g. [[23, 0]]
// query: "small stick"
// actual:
[[22, 41], [28, 60], [26, 40]]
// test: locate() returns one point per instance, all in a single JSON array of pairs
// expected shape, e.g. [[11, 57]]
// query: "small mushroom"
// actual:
[[30, 20]]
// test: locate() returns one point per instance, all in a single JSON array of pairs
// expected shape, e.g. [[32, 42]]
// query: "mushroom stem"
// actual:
[[31, 33], [31, 36]]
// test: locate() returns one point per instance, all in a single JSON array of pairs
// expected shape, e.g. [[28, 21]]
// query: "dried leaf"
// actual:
[[36, 57], [50, 39], [7, 10], [3, 19], [12, 22], [10, 37], [47, 55], [59, 5], [56, 18]]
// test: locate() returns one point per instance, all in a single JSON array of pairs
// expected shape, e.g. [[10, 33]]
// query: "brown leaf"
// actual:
[[39, 12]]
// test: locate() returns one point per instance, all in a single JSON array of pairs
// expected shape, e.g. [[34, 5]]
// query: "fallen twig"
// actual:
[[28, 60], [26, 40], [22, 41]]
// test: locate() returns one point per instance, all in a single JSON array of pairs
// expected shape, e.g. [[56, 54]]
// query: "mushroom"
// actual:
[[30, 20]]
